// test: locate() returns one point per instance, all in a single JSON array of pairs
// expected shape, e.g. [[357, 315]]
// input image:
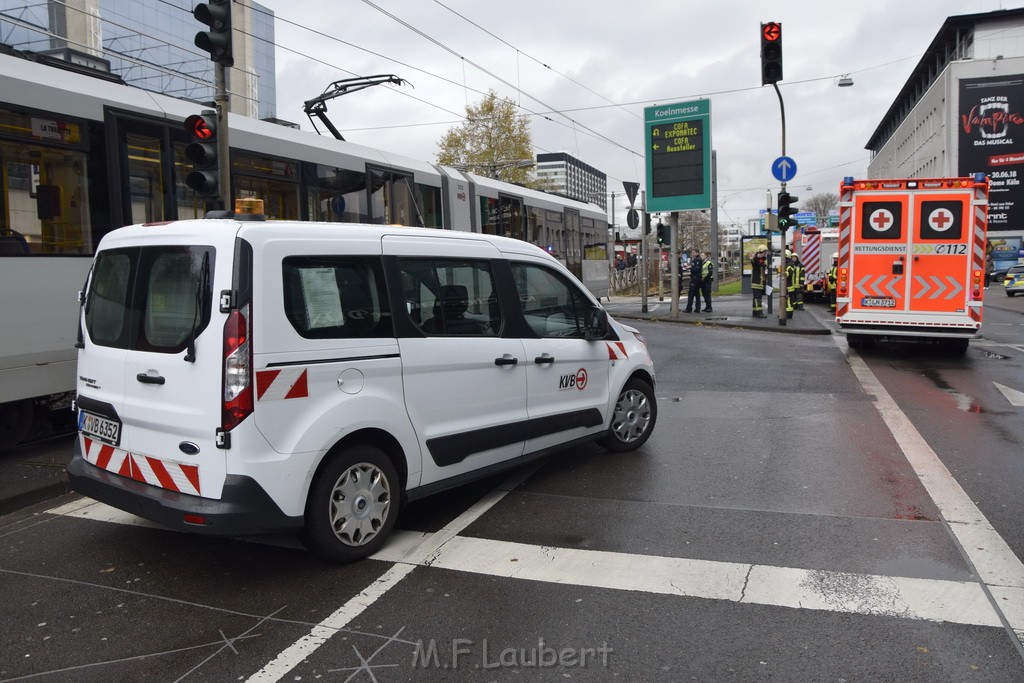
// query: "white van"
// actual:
[[238, 377]]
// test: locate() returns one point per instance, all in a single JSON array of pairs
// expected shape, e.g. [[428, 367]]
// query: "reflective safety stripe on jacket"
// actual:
[[706, 271]]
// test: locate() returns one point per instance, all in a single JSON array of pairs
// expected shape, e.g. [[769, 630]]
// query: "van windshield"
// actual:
[[150, 298]]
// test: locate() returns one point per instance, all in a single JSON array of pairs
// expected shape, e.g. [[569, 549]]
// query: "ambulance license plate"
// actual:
[[99, 428], [875, 302]]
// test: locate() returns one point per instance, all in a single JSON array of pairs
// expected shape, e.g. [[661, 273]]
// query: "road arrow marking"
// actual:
[[1016, 398]]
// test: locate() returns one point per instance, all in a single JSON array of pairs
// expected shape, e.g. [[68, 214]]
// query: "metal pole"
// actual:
[[673, 255], [713, 248], [223, 147], [644, 264], [782, 270]]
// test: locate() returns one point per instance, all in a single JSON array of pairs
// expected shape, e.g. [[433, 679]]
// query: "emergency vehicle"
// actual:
[[238, 377], [912, 259], [816, 249]]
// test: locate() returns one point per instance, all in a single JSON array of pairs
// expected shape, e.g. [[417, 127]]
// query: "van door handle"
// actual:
[[149, 379], [506, 360], [541, 360]]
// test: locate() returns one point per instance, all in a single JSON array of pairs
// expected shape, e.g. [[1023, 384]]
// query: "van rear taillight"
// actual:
[[237, 382]]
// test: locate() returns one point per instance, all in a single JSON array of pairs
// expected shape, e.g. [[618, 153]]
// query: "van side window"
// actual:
[[336, 297], [552, 306], [451, 297]]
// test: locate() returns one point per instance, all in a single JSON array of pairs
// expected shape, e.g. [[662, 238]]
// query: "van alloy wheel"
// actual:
[[352, 504], [359, 504], [633, 417]]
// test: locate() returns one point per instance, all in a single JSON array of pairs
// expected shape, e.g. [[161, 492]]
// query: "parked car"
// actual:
[[1014, 280]]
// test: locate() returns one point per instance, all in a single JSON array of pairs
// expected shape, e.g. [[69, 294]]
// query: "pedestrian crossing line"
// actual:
[[958, 602]]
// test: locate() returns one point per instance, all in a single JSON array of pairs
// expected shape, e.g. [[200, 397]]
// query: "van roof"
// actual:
[[221, 229]]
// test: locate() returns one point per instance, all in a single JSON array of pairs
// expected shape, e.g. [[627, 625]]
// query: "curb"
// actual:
[[723, 325]]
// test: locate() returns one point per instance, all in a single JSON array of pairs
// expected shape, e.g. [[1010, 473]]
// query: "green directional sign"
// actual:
[[678, 151]]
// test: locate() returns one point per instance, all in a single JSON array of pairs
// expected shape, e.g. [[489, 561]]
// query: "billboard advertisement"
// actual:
[[991, 141]]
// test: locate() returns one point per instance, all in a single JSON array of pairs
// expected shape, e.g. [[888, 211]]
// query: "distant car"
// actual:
[[1014, 280]]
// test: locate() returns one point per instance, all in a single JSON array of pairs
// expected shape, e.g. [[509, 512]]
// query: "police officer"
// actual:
[[758, 278], [696, 267], [707, 275], [831, 278]]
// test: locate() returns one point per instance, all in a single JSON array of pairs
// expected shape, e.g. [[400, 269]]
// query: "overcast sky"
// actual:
[[607, 60]]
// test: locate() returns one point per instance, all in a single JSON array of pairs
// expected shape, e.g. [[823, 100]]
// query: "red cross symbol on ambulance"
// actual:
[[881, 219], [940, 220]]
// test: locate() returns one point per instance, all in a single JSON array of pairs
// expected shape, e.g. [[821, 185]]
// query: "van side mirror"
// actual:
[[596, 324]]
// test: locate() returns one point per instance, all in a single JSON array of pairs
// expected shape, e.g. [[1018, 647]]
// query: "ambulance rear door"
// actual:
[[940, 260], [880, 245]]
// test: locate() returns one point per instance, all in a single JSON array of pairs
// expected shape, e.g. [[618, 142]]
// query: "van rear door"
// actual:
[[165, 363]]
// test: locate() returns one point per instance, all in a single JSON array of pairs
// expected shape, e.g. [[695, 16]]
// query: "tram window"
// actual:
[[336, 194], [43, 205], [392, 200], [145, 178], [490, 215], [430, 205]]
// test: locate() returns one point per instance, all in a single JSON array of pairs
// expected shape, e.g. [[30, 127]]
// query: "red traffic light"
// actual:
[[771, 31], [200, 127]]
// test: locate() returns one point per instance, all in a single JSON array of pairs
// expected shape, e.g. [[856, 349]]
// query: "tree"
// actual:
[[821, 204], [494, 141]]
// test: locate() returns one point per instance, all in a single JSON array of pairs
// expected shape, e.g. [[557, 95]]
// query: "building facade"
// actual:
[[149, 44], [962, 112], [566, 175]]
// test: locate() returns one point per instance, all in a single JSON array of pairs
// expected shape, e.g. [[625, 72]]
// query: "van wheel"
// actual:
[[352, 505], [633, 419]]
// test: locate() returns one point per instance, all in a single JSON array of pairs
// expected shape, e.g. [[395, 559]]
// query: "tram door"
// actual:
[[573, 243]]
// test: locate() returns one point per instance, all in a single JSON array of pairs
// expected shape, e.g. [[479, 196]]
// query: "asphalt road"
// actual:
[[802, 512]]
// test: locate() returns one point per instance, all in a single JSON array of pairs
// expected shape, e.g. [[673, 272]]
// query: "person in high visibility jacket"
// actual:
[[831, 277], [792, 282], [758, 279], [801, 282], [694, 289], [707, 274]]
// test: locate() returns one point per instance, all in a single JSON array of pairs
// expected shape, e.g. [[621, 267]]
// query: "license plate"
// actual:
[[99, 428], [873, 302]]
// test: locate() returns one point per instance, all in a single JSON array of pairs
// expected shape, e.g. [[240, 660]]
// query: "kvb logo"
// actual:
[[579, 380]]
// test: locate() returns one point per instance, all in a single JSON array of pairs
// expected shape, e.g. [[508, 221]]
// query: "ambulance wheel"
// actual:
[[955, 347], [352, 505], [633, 418], [859, 341], [1010, 293]]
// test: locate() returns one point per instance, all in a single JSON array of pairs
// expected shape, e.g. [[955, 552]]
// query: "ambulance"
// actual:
[[912, 259]]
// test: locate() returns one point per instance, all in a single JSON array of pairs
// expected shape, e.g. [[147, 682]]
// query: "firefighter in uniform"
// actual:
[[792, 282], [801, 280], [831, 277], [758, 279]]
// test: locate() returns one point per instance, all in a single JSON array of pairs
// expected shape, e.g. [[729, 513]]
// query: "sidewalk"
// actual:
[[729, 311]]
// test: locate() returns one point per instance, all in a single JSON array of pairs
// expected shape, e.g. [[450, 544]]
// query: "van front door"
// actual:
[[465, 385]]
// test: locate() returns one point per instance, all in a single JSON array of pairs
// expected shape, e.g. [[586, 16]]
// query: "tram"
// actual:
[[81, 153]]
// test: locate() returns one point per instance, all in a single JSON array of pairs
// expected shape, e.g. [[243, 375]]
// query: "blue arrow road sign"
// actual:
[[784, 168]]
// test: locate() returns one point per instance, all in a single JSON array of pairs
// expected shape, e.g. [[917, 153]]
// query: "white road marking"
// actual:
[[1015, 397], [997, 566], [960, 602]]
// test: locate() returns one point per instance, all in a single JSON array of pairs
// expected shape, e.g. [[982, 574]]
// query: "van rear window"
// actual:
[[150, 298], [336, 297]]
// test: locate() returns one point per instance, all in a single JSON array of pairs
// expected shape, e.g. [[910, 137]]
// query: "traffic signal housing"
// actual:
[[664, 236], [203, 154], [217, 41], [771, 52], [787, 210]]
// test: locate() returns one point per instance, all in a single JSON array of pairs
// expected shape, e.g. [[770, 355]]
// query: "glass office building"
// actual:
[[149, 43]]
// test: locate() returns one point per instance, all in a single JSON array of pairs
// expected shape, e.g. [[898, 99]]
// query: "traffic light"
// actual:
[[664, 236], [202, 152], [217, 41], [787, 210], [771, 52]]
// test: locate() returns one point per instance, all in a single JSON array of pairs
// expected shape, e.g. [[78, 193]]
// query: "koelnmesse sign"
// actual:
[[678, 151]]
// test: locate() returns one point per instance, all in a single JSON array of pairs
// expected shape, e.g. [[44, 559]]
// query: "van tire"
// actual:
[[359, 491], [633, 418]]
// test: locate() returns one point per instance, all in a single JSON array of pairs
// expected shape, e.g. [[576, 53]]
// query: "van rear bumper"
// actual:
[[244, 508]]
